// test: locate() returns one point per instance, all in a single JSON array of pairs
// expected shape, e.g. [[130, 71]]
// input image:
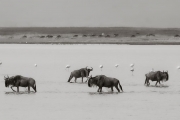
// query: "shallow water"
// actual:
[[56, 99]]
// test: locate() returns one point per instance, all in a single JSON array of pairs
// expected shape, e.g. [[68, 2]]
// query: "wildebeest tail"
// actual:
[[120, 86], [35, 87]]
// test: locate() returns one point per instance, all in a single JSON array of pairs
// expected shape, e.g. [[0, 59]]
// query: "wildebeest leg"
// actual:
[[98, 90], [28, 89], [117, 88], [82, 79], [156, 83], [112, 89], [34, 87], [75, 79], [17, 88], [159, 82], [12, 88]]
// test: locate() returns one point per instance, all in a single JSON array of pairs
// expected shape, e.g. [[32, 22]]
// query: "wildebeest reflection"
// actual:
[[20, 81], [83, 72], [103, 81], [156, 76]]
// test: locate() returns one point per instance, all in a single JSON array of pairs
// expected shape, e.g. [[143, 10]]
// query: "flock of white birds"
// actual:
[[101, 67]]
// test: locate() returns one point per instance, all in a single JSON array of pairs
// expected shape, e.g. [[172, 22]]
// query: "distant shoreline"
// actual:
[[94, 35]]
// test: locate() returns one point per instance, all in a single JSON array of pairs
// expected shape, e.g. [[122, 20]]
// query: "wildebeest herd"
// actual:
[[98, 80]]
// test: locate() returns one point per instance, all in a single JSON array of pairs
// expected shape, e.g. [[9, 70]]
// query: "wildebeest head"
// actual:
[[89, 70], [92, 81], [166, 75], [7, 82]]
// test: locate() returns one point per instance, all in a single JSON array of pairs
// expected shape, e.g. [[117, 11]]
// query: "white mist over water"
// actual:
[[57, 99]]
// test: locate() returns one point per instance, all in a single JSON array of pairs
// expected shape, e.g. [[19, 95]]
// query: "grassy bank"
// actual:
[[119, 35]]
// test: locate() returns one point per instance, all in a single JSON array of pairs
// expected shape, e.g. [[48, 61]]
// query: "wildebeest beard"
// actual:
[[92, 82]]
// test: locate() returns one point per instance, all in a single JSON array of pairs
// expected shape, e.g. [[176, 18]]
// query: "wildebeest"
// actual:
[[58, 36], [103, 81], [49, 36], [83, 72], [75, 36], [156, 76], [24, 36], [177, 36], [133, 35], [150, 35], [42, 36], [107, 36], [20, 81]]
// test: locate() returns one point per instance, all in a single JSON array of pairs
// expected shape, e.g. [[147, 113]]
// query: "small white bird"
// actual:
[[116, 65], [101, 66], [68, 66], [178, 67], [131, 65], [102, 34], [152, 70], [35, 65]]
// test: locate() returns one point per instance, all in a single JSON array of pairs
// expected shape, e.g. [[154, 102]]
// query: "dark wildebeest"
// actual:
[[83, 72], [156, 76], [42, 37], [177, 36], [103, 81], [20, 81], [24, 36], [49, 36], [133, 35], [58, 36], [75, 36], [107, 36]]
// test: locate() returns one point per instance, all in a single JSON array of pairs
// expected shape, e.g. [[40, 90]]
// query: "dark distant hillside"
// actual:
[[122, 31]]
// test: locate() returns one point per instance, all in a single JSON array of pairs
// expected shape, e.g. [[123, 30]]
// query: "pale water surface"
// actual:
[[58, 100]]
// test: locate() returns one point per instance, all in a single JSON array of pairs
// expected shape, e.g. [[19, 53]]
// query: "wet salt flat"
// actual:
[[56, 99]]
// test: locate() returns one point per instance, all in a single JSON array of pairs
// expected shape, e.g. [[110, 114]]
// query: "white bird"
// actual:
[[152, 70], [116, 65], [102, 34], [35, 65], [178, 67], [101, 66], [131, 65], [67, 67]]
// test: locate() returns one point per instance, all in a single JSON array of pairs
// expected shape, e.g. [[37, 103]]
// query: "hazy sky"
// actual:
[[90, 13]]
